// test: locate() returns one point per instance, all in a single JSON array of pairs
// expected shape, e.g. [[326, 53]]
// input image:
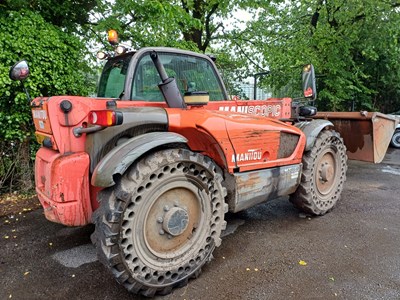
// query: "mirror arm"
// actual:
[[26, 92]]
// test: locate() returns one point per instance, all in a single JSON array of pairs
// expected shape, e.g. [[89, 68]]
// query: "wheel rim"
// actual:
[[173, 204], [326, 173], [165, 250]]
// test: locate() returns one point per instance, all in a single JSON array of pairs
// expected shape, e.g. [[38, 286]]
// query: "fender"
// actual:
[[311, 129], [118, 160]]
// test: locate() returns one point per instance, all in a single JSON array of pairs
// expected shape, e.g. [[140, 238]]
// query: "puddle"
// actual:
[[390, 170]]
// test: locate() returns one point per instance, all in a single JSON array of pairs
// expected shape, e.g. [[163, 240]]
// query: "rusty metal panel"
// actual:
[[259, 186], [366, 134]]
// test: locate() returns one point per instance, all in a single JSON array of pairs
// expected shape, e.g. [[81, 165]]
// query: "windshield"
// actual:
[[112, 80]]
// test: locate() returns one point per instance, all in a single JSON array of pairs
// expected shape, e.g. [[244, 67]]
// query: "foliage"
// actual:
[[57, 65], [353, 45], [65, 14], [233, 70], [189, 24], [196, 25]]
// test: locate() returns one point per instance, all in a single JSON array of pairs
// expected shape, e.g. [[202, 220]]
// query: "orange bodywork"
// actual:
[[62, 185], [236, 142], [62, 172], [221, 130]]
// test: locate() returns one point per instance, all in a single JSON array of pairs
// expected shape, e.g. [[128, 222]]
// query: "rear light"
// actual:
[[105, 117]]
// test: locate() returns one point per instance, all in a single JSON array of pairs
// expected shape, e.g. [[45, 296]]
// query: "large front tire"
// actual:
[[161, 222], [323, 175]]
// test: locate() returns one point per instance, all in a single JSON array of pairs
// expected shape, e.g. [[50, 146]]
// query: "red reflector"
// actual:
[[102, 117]]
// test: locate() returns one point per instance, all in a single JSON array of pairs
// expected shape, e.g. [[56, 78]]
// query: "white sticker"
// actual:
[[39, 114]]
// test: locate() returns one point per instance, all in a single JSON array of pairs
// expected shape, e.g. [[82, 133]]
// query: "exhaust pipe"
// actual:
[[167, 86]]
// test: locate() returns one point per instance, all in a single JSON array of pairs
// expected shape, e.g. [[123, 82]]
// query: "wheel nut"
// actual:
[[161, 232], [160, 220], [166, 208]]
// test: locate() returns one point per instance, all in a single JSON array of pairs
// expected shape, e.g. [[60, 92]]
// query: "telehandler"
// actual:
[[162, 153]]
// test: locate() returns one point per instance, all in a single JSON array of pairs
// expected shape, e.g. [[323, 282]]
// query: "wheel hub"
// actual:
[[172, 220], [176, 221], [327, 172]]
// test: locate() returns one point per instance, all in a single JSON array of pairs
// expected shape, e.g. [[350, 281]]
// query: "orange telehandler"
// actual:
[[158, 158]]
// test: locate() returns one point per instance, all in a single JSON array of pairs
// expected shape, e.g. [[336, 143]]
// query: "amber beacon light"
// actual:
[[113, 37]]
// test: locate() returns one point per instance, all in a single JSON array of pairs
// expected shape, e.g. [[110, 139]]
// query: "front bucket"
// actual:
[[366, 134]]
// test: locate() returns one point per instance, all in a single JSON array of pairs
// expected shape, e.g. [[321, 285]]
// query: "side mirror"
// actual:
[[308, 78], [19, 71]]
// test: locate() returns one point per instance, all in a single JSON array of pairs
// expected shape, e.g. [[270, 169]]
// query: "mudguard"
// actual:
[[311, 129], [118, 160]]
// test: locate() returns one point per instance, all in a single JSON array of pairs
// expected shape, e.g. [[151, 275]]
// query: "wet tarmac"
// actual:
[[270, 251]]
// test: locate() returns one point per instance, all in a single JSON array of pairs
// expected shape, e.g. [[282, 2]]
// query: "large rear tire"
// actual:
[[395, 141], [161, 222], [323, 175]]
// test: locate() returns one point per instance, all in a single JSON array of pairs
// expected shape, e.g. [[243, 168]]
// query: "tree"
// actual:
[[353, 45], [197, 25], [66, 14], [191, 24], [58, 66]]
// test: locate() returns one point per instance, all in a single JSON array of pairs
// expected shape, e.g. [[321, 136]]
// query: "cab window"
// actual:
[[191, 74], [112, 80]]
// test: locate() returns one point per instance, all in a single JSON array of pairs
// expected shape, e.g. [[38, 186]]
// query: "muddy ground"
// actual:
[[271, 251]]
